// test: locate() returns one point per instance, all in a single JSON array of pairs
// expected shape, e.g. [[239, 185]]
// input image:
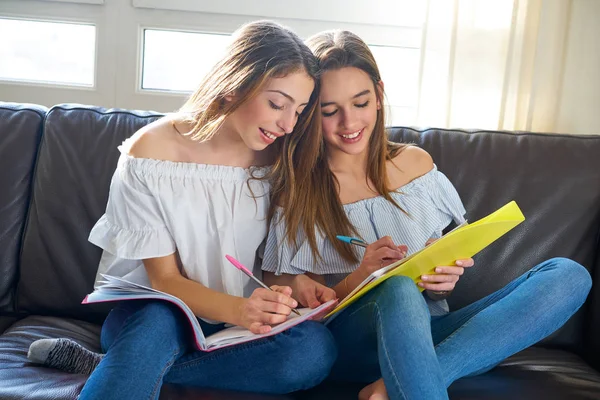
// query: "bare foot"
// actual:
[[375, 391]]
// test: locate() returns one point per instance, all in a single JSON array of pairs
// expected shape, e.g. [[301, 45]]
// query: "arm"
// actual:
[[257, 313]]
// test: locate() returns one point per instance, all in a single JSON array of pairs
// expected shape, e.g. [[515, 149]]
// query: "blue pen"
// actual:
[[350, 240]]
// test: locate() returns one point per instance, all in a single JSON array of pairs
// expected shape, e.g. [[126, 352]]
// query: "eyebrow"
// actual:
[[290, 98], [354, 97]]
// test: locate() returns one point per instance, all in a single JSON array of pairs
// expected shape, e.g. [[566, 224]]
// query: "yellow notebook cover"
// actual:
[[462, 242]]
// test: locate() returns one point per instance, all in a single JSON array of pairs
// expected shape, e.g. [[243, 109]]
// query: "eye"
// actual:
[[363, 105], [328, 114], [275, 106]]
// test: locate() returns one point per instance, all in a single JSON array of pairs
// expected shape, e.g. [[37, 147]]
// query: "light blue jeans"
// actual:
[[148, 343], [389, 332]]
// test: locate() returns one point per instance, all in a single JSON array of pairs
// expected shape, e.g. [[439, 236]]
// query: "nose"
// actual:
[[349, 120], [287, 121]]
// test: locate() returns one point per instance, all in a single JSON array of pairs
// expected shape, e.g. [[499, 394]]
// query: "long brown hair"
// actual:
[[321, 207], [259, 51]]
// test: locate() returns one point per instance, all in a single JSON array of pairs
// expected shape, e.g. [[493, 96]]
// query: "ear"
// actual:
[[380, 92], [230, 97]]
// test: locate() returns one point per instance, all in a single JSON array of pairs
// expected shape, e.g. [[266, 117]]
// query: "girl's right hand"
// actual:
[[380, 254], [265, 308]]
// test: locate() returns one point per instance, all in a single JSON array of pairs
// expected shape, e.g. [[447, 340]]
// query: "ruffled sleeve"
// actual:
[[446, 199], [279, 252], [133, 225]]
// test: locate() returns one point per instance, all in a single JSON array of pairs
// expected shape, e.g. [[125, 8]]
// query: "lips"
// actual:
[[352, 137], [268, 134]]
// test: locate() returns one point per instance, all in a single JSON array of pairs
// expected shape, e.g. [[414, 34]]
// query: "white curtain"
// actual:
[[510, 64]]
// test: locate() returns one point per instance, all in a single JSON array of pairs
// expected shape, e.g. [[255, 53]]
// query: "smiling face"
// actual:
[[349, 107], [273, 112]]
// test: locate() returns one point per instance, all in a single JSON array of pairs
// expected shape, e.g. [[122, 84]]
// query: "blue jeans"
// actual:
[[389, 333], [148, 343]]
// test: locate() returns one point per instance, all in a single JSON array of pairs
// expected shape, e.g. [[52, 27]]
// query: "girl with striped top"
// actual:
[[403, 344]]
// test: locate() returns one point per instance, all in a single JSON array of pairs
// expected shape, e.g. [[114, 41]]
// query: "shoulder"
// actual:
[[411, 163], [158, 140]]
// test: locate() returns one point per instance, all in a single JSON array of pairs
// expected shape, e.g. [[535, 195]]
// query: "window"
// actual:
[[167, 70], [399, 69], [399, 66], [47, 52]]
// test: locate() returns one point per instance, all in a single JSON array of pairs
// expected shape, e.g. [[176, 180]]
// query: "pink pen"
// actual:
[[245, 270]]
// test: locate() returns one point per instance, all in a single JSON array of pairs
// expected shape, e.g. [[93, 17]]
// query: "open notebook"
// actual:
[[464, 241], [118, 289]]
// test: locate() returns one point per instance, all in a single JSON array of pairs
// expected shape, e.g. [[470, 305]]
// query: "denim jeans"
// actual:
[[389, 333], [148, 343]]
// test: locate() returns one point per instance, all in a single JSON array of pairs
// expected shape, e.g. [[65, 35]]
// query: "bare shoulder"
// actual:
[[411, 163], [158, 140]]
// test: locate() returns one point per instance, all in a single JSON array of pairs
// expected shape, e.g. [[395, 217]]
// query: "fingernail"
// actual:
[[421, 284], [438, 270], [424, 277], [294, 304], [459, 263]]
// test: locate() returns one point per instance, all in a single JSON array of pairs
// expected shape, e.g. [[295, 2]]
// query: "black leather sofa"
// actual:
[[55, 168]]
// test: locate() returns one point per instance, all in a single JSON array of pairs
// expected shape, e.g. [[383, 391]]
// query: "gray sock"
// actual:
[[64, 354]]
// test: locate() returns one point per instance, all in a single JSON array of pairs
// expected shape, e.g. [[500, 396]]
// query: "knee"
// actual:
[[572, 277], [400, 290], [575, 273], [308, 355]]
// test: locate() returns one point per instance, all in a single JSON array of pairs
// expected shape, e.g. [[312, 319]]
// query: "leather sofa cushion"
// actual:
[[20, 130], [77, 158], [22, 379]]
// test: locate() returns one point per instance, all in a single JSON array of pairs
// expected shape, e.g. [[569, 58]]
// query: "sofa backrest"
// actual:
[[555, 180], [20, 130], [77, 157]]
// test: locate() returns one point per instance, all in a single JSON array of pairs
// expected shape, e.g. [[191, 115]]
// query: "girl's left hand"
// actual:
[[445, 277]]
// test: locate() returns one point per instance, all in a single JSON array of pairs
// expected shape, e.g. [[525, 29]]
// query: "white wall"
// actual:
[[120, 22], [539, 70]]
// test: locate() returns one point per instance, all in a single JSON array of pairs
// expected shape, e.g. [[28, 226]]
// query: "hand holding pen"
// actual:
[[378, 254], [249, 273]]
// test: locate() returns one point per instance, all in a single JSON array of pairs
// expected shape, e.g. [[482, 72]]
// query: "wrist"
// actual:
[[240, 305], [360, 274], [354, 279]]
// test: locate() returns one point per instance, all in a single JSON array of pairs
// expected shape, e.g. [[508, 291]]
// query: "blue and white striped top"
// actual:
[[430, 201]]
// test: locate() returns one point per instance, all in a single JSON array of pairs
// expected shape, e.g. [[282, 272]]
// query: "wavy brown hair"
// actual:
[[320, 207]]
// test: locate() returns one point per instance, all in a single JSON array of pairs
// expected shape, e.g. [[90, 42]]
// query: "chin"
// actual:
[[354, 150], [258, 147]]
